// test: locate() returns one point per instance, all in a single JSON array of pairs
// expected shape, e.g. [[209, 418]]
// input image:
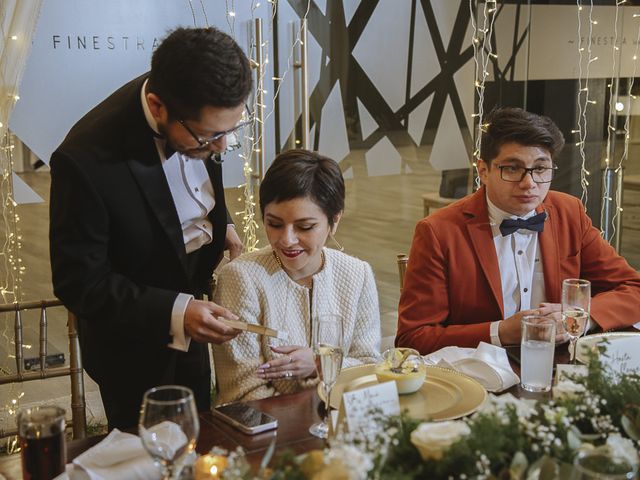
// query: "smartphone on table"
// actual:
[[245, 418]]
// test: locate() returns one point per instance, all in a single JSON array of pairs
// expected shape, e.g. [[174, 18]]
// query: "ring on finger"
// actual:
[[288, 374]]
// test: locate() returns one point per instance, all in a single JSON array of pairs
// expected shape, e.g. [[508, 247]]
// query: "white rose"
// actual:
[[623, 447], [567, 388], [432, 439]]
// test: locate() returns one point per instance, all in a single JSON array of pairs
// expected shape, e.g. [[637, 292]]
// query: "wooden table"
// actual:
[[295, 413]]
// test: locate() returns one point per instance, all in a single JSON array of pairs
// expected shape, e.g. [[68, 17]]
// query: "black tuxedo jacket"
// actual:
[[117, 254]]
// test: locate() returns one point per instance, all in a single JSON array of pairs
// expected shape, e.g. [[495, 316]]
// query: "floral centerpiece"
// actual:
[[508, 438]]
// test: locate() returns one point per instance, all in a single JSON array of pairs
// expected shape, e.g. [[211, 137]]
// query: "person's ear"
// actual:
[[157, 108], [483, 170]]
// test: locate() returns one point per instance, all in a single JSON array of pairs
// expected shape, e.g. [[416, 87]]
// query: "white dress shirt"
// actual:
[[520, 263], [193, 197]]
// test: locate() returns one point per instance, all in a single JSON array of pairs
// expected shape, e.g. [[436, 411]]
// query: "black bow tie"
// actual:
[[535, 223]]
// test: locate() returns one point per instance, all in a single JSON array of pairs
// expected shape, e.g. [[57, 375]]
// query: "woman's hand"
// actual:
[[296, 362]]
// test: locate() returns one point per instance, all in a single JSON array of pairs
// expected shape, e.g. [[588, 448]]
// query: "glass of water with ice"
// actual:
[[536, 350]]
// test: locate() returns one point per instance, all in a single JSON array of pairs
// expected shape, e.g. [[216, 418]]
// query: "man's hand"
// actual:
[[509, 329], [201, 324], [554, 310], [232, 242]]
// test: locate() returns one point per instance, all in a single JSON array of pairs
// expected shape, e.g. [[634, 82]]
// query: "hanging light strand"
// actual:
[[482, 55], [193, 14], [583, 100], [610, 146], [251, 143], [625, 153]]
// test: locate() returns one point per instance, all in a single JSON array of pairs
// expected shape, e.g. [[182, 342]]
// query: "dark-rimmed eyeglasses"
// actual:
[[205, 142], [514, 173]]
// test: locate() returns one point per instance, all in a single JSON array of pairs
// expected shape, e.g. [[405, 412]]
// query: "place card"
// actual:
[[360, 404]]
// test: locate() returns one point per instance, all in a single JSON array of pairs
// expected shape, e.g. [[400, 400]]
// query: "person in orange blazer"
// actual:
[[467, 281]]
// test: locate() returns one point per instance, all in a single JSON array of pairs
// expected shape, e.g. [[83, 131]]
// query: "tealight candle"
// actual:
[[210, 467]]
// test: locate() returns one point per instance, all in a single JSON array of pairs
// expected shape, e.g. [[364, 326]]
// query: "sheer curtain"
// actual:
[[17, 21], [17, 25]]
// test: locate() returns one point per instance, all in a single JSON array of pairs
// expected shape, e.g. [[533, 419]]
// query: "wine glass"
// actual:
[[576, 302], [326, 341], [168, 425]]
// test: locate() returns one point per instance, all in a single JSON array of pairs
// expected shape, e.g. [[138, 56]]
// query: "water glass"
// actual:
[[601, 464], [42, 442], [576, 305], [327, 344], [169, 425], [536, 351]]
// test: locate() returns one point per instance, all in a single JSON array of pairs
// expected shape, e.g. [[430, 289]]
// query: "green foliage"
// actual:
[[286, 467], [512, 439]]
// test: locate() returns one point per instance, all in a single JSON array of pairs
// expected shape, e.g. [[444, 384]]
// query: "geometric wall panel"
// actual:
[[333, 128], [448, 150], [383, 159], [382, 55], [367, 122], [425, 61], [418, 120]]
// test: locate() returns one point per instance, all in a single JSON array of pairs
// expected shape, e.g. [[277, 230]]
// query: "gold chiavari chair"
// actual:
[[74, 370], [403, 260]]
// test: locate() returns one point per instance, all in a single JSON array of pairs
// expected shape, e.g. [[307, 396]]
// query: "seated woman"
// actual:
[[292, 281]]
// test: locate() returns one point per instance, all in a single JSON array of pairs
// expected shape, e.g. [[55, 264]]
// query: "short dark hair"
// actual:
[[197, 67], [301, 173], [510, 124]]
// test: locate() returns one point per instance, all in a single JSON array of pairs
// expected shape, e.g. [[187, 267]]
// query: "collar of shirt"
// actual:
[[521, 274]]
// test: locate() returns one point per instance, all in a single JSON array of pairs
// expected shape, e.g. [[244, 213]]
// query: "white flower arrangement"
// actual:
[[508, 438]]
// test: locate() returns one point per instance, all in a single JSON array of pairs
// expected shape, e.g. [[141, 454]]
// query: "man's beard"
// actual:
[[202, 153]]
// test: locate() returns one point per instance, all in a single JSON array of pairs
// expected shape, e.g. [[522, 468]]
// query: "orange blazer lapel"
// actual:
[[482, 240], [548, 242]]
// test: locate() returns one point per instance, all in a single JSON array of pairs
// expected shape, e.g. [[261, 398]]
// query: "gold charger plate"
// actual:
[[444, 395], [619, 343]]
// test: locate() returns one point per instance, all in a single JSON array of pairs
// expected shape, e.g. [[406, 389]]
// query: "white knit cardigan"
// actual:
[[259, 291]]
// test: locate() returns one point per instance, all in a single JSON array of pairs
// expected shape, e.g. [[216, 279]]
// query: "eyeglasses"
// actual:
[[513, 173], [205, 142]]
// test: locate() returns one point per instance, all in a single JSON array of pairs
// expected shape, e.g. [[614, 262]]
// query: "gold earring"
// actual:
[[333, 239]]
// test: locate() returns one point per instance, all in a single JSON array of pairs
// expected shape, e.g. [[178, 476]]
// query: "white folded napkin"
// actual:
[[120, 455], [488, 364]]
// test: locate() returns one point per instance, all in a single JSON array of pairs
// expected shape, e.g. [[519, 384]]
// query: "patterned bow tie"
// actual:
[[535, 223]]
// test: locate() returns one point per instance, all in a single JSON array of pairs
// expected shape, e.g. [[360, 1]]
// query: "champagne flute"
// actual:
[[326, 340], [576, 303], [168, 426]]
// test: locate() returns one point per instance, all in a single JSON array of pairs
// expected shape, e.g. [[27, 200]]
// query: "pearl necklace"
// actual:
[[309, 280]]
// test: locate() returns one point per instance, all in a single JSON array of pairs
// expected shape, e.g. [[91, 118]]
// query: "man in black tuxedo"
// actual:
[[138, 220]]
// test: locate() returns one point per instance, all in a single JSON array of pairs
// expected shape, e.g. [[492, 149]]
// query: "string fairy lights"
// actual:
[[252, 143], [611, 128], [482, 54], [583, 101], [16, 33], [625, 152]]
